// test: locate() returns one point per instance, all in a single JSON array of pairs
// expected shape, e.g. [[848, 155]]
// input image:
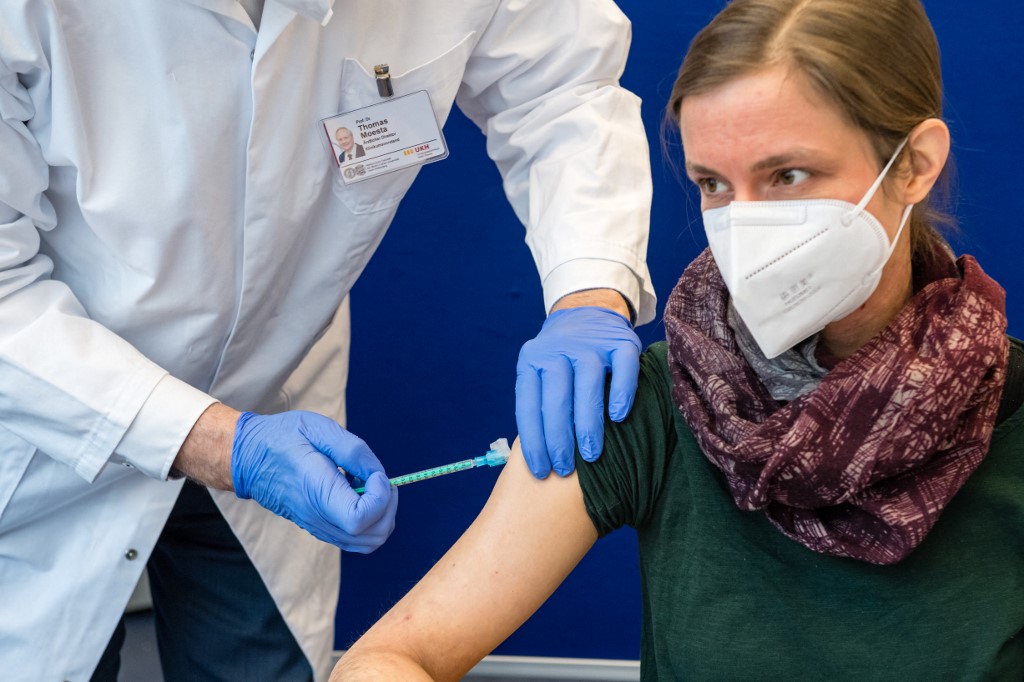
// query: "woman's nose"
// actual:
[[746, 193]]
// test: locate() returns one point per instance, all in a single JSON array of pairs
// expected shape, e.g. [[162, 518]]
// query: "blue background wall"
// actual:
[[440, 314]]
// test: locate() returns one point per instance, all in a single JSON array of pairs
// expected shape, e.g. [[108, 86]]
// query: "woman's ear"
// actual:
[[928, 143]]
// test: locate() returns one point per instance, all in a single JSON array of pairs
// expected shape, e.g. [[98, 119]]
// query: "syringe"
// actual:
[[496, 456]]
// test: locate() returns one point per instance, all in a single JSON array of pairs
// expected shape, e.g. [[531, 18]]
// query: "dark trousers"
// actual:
[[215, 619]]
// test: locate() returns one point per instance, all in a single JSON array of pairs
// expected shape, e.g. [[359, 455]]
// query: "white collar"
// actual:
[[317, 10]]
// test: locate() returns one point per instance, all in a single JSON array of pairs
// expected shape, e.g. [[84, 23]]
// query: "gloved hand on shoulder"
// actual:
[[560, 384]]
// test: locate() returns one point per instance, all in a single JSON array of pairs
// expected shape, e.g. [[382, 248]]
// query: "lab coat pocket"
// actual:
[[15, 454], [440, 77]]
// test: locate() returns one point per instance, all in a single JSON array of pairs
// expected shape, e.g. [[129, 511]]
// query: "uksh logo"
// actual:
[[355, 171]]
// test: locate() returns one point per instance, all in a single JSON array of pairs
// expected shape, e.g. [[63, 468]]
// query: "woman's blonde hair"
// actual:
[[876, 60]]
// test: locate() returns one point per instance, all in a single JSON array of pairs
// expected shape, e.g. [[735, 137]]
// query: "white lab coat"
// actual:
[[173, 231]]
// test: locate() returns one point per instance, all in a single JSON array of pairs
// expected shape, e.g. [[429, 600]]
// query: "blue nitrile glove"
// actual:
[[288, 462], [560, 381]]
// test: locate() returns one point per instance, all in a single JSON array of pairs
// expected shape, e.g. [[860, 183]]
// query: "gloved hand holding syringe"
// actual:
[[496, 456]]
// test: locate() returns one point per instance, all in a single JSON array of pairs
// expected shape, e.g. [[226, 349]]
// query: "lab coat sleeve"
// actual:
[[542, 83], [68, 386]]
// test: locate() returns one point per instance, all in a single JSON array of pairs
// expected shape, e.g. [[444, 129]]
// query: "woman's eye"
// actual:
[[792, 176], [712, 186]]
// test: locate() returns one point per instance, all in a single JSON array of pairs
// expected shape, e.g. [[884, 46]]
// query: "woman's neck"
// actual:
[[844, 337]]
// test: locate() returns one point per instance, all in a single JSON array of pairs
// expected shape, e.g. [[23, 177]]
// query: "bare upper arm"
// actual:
[[526, 540]]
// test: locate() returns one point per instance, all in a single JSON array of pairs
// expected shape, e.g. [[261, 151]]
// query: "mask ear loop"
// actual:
[[899, 231], [892, 245], [848, 217]]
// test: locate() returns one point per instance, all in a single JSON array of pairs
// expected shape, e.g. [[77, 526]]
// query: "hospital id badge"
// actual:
[[385, 137]]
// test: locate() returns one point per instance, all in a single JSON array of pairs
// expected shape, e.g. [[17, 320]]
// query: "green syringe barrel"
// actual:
[[496, 456]]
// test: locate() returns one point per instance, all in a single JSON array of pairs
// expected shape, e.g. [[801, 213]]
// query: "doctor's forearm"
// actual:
[[205, 456]]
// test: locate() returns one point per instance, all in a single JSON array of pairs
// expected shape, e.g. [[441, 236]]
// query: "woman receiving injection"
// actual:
[[825, 462]]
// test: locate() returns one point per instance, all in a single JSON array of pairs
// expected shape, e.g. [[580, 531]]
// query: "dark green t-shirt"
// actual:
[[727, 597]]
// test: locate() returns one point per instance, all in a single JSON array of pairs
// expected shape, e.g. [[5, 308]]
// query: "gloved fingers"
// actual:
[[588, 406], [529, 420], [364, 543], [291, 460], [344, 448], [380, 530], [625, 375], [556, 412], [348, 520], [361, 544], [355, 513]]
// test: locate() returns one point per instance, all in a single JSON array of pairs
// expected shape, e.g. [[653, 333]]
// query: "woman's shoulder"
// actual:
[[655, 357]]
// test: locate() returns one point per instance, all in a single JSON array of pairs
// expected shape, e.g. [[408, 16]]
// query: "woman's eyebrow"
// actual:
[[774, 161], [787, 159], [697, 169]]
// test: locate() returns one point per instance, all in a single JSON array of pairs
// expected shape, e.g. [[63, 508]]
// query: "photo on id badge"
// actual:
[[384, 137]]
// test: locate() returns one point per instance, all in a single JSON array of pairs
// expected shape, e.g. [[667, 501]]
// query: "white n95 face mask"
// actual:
[[793, 267]]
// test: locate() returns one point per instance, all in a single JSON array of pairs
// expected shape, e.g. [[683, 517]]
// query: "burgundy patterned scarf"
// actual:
[[862, 465]]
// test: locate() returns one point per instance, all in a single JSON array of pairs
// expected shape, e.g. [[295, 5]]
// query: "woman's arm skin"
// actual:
[[526, 540]]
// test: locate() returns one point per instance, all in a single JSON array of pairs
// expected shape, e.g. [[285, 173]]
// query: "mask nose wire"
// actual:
[[848, 217]]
